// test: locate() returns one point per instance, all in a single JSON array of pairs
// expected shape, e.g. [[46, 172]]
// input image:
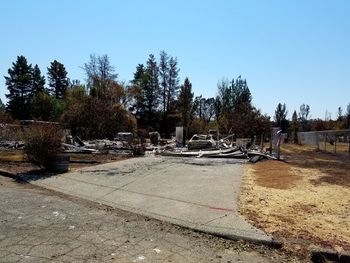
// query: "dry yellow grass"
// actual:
[[307, 198], [11, 156]]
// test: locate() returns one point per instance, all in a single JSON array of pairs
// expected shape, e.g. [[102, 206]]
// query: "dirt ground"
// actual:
[[304, 201], [14, 162]]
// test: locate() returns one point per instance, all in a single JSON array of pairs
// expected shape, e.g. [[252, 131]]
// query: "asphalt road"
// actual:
[[38, 225]]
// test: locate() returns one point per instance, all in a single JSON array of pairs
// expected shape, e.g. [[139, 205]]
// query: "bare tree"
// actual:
[[101, 76], [304, 116]]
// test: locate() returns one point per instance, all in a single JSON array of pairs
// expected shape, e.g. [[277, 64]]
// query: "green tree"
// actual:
[[237, 115], [198, 106], [58, 81], [4, 116], [280, 113], [340, 116], [173, 82], [217, 108], [42, 106], [281, 116], [2, 106], [204, 111], [240, 93], [19, 85], [164, 79], [185, 103], [233, 95], [223, 97], [295, 127], [247, 121], [169, 81], [151, 89], [169, 89], [136, 91], [347, 114], [75, 94], [38, 81]]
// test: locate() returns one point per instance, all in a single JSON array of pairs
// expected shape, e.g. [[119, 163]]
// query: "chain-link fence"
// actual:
[[336, 141]]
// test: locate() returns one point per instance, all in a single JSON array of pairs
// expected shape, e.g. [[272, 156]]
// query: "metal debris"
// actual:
[[204, 146]]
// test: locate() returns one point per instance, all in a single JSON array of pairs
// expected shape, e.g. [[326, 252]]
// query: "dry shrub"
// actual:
[[41, 143], [93, 118]]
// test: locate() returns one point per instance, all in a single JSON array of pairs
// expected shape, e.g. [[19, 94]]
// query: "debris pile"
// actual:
[[205, 146], [198, 142], [123, 144], [199, 146], [11, 145], [11, 136]]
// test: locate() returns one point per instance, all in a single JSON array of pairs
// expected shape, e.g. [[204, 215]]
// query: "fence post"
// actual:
[[271, 143]]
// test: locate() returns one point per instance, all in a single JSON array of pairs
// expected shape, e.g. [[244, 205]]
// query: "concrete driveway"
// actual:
[[201, 194]]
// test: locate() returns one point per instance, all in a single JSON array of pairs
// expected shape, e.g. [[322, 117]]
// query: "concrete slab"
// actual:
[[73, 187], [155, 205], [195, 193], [191, 183]]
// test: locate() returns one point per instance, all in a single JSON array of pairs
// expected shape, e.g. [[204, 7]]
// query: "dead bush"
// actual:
[[41, 143]]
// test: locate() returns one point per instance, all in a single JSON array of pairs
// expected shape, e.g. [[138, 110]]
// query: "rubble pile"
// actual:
[[204, 146], [123, 144]]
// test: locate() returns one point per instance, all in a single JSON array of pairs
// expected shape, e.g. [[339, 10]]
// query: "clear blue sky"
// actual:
[[292, 52]]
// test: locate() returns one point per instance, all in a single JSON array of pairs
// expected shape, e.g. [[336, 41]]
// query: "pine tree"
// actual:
[[164, 79], [173, 82], [224, 97], [19, 85], [38, 81], [237, 114], [151, 90], [58, 81], [185, 103], [347, 114], [2, 106], [136, 91], [240, 93], [280, 117], [217, 108], [42, 106], [280, 113], [295, 127], [340, 116]]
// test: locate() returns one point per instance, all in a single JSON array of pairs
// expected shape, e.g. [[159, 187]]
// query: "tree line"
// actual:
[[154, 100], [302, 122]]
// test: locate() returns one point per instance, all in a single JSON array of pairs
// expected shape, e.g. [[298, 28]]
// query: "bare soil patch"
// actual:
[[304, 201], [14, 161], [275, 174]]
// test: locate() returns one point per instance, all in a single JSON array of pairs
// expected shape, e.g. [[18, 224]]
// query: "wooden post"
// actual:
[[335, 144], [325, 142], [271, 142]]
